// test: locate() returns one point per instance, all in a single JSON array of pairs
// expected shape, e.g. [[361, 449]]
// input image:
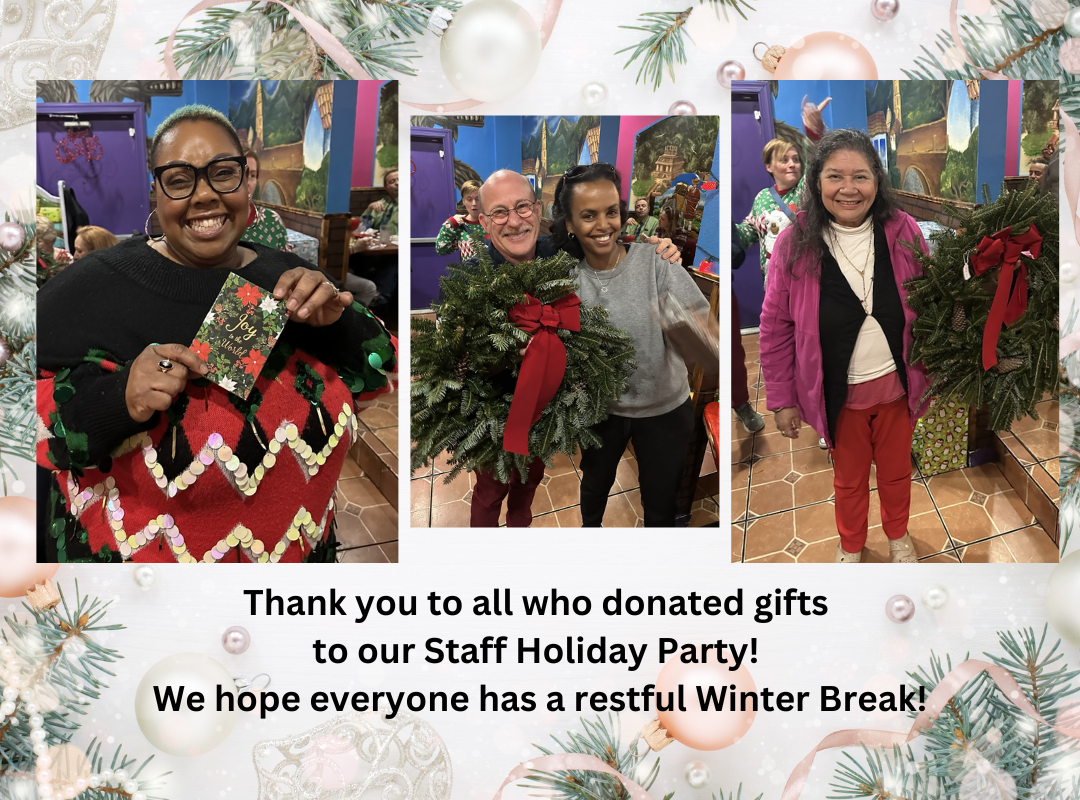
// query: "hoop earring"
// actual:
[[570, 235], [146, 229]]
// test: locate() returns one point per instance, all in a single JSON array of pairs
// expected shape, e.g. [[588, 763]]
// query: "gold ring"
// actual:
[[334, 288], [165, 365]]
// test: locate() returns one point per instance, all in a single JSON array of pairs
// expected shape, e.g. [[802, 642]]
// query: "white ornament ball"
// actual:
[[119, 777], [145, 577], [935, 597], [696, 774], [105, 776], [130, 787], [884, 10], [185, 732], [236, 640], [139, 796], [1063, 599], [491, 49], [1072, 21], [69, 792], [94, 781], [682, 108], [1068, 271], [729, 71], [899, 608], [12, 236], [594, 94], [7, 708]]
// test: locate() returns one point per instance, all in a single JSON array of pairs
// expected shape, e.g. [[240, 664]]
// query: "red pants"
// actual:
[[881, 434], [488, 494]]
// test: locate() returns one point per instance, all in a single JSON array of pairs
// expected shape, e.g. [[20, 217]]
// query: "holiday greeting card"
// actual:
[[238, 333]]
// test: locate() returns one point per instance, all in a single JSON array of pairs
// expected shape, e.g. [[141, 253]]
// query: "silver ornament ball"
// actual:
[[145, 577], [696, 774], [12, 236], [730, 71], [236, 640], [935, 597], [1072, 21], [491, 49], [594, 94], [884, 10], [682, 108], [899, 608]]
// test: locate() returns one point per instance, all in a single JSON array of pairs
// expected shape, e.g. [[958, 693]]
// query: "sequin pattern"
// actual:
[[216, 454]]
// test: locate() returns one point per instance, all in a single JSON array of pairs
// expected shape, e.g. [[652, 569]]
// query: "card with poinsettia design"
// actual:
[[238, 333]]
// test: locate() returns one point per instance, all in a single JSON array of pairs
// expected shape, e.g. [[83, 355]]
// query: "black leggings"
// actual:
[[660, 443]]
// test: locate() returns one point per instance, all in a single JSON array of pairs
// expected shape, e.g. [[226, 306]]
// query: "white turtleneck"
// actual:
[[853, 248]]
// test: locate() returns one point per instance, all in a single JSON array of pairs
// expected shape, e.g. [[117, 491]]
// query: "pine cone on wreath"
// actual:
[[959, 318], [462, 367], [1009, 364]]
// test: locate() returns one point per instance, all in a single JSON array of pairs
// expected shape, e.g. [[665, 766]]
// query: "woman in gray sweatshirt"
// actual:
[[655, 411]]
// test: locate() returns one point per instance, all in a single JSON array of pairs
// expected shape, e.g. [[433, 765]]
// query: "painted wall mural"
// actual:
[[669, 148], [1038, 120], [551, 145], [287, 123], [386, 136]]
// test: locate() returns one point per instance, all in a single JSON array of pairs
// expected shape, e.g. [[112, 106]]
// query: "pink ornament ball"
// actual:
[[884, 10], [899, 608], [12, 236], [18, 548], [826, 56], [682, 108], [729, 72], [697, 729], [236, 640]]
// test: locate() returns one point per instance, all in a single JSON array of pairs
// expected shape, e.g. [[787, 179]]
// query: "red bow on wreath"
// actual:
[[1004, 250], [544, 365]]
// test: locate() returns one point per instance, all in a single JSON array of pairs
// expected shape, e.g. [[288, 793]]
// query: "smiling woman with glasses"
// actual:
[[146, 459]]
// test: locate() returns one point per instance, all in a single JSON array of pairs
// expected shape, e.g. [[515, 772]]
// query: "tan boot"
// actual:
[[902, 550], [844, 557]]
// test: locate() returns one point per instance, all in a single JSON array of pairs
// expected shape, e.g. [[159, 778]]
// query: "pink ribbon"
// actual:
[[551, 13], [935, 703], [326, 40], [565, 761]]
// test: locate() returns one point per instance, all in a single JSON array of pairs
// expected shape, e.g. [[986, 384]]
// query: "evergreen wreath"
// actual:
[[952, 311], [463, 367]]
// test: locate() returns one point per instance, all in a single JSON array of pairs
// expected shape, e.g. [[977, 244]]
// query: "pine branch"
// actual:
[[662, 49], [1007, 40], [58, 666], [267, 42], [736, 6], [603, 741]]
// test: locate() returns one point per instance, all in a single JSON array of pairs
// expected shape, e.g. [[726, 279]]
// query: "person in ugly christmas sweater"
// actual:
[[457, 232], [143, 459]]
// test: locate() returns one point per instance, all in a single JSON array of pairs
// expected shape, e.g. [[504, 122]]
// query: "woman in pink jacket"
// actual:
[[836, 333]]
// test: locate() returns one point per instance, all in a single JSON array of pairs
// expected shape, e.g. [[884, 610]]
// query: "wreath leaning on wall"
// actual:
[[467, 369], [987, 306]]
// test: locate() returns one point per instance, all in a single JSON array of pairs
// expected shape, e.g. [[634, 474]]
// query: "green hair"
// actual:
[[192, 113]]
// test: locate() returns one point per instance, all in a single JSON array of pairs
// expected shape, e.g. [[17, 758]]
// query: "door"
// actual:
[[751, 130], [434, 199], [113, 187]]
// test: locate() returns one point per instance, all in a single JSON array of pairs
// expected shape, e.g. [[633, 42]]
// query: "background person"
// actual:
[[456, 232], [91, 238], [264, 225], [836, 332]]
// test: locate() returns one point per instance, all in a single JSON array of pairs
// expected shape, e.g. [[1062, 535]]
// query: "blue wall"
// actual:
[[993, 105], [342, 130], [495, 146], [847, 109], [609, 139]]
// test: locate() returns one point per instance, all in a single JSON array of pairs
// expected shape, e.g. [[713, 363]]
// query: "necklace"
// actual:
[[862, 272], [604, 285]]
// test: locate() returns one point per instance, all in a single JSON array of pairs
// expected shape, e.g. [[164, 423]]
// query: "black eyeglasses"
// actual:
[[580, 169], [178, 181], [524, 210]]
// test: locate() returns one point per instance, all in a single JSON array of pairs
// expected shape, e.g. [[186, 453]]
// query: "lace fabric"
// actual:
[[43, 40]]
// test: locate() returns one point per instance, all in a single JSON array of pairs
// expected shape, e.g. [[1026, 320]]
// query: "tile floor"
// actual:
[[439, 504], [367, 521], [782, 509]]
